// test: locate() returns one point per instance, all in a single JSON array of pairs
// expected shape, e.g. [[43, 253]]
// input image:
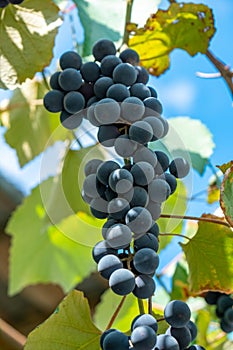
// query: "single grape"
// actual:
[[53, 101], [121, 181], [225, 326], [139, 197], [193, 329], [143, 173], [163, 162], [132, 109], [87, 90], [53, 82], [107, 134], [103, 335], [141, 131], [98, 207], [119, 236], [118, 92], [146, 241], [101, 86], [182, 335], [228, 316], [108, 64], [90, 186], [122, 281], [91, 166], [154, 229], [212, 297], [144, 154], [130, 56], [146, 261], [154, 104], [70, 121], [105, 169], [157, 126], [144, 287], [124, 73], [102, 48], [143, 338], [179, 167], [73, 102], [90, 71], [108, 264], [110, 194], [107, 111], [159, 190], [140, 91], [139, 220], [145, 320], [109, 223], [166, 342], [118, 207], [177, 313], [224, 302], [154, 208], [70, 59], [85, 197], [153, 92], [115, 340], [91, 115], [3, 3], [142, 75], [125, 147], [101, 249], [171, 180], [70, 79]]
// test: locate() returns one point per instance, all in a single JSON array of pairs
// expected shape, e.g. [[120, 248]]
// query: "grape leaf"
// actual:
[[106, 308], [27, 38], [100, 19], [226, 197], [184, 26], [213, 194], [30, 127], [69, 327], [225, 166], [180, 285], [40, 251], [181, 140], [176, 204], [209, 256]]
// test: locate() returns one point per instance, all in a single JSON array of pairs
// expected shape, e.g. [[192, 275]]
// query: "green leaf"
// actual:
[[181, 140], [226, 197], [209, 256], [106, 308], [183, 26], [213, 194], [176, 205], [27, 38], [30, 127], [162, 325], [40, 251], [180, 285], [224, 167], [70, 327], [202, 322], [100, 19]]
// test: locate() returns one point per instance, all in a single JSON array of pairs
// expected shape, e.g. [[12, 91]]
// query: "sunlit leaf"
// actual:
[[184, 26], [209, 256], [69, 327], [41, 252], [226, 198], [30, 127], [27, 38], [180, 285]]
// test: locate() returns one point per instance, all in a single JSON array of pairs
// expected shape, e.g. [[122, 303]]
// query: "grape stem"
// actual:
[[10, 337], [129, 7], [141, 306], [175, 234], [195, 218], [114, 316], [161, 319], [150, 305]]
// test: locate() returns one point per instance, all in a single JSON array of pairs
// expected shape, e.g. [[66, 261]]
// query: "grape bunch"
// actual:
[[144, 332], [224, 309], [4, 3]]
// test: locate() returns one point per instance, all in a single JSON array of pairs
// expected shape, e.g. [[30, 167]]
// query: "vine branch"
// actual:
[[11, 337], [195, 218], [175, 234], [223, 68], [114, 316], [141, 306], [129, 7]]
